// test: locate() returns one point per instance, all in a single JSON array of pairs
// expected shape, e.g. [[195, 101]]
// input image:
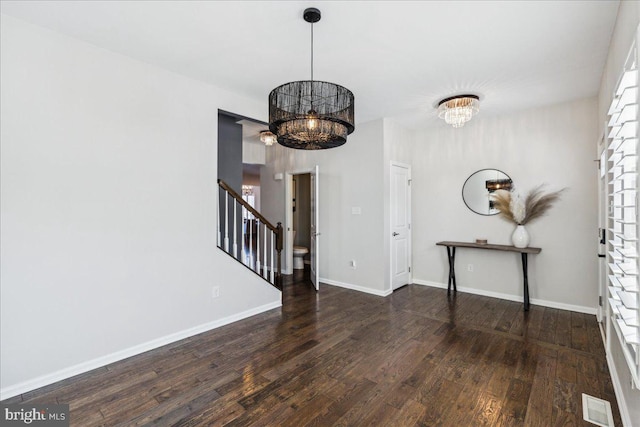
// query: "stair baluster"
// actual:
[[268, 238]]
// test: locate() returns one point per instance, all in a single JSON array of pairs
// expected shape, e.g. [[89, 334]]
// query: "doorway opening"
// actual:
[[301, 220], [244, 232], [301, 223]]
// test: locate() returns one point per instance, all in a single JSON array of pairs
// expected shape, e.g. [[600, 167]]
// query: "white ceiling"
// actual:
[[398, 57]]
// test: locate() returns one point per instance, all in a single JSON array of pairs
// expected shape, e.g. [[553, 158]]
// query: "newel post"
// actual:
[[279, 242]]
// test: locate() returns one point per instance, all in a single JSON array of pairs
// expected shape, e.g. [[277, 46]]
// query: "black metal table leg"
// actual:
[[451, 253], [526, 281]]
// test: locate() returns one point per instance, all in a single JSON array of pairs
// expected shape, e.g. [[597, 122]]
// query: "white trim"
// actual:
[[601, 326], [617, 388], [358, 288], [99, 362], [288, 224], [603, 197], [509, 297]]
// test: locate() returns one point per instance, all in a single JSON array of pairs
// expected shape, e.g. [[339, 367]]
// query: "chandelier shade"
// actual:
[[457, 110], [311, 114]]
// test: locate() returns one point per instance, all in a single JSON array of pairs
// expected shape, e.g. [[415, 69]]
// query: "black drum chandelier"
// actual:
[[310, 114]]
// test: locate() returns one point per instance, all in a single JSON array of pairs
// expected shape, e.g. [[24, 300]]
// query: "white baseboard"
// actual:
[[617, 388], [44, 380], [357, 287], [509, 297]]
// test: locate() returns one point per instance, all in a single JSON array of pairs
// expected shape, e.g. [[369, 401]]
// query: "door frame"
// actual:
[[388, 239], [288, 216], [603, 211]]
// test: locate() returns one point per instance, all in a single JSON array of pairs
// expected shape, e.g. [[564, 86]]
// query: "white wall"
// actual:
[[108, 172], [350, 176], [552, 145], [625, 30], [253, 152]]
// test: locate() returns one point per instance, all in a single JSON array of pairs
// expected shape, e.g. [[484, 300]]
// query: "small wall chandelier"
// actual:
[[247, 190], [457, 110], [267, 137], [310, 114]]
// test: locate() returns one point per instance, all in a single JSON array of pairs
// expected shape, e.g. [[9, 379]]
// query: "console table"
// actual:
[[451, 253]]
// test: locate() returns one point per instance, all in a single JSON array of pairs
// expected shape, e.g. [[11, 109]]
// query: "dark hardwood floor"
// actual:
[[344, 358]]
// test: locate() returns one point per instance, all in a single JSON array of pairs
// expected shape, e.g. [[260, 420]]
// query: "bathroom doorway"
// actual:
[[301, 222], [301, 217]]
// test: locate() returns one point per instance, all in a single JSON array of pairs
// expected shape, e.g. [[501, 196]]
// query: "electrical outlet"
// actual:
[[215, 292], [353, 264], [470, 267]]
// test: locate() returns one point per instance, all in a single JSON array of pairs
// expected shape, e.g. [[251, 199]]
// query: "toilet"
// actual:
[[299, 253]]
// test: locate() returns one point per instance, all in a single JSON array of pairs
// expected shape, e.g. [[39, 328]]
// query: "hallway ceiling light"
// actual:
[[267, 137], [247, 190], [457, 110], [310, 114]]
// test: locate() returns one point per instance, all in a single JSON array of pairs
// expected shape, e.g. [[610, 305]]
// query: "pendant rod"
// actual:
[[312, 51], [311, 67]]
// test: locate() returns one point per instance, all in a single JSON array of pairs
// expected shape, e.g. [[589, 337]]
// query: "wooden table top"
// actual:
[[505, 248]]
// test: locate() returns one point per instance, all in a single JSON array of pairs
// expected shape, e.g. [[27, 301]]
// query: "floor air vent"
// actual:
[[596, 411]]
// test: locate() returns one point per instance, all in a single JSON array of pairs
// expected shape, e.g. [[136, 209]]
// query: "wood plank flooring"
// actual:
[[344, 358]]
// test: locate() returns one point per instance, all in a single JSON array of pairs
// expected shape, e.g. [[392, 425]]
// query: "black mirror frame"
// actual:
[[465, 183]]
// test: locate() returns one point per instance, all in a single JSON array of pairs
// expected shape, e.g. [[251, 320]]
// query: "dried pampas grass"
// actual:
[[513, 208]]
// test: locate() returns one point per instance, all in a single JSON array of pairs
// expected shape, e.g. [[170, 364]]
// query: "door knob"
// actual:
[[395, 234]]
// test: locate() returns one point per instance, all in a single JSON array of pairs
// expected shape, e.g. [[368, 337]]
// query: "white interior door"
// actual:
[[400, 225], [314, 249]]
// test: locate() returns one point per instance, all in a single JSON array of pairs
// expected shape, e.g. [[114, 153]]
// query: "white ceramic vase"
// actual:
[[520, 237]]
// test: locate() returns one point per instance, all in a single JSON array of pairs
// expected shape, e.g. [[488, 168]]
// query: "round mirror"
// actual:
[[478, 187]]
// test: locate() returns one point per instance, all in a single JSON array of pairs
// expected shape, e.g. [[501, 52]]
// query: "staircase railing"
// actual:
[[246, 235]]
